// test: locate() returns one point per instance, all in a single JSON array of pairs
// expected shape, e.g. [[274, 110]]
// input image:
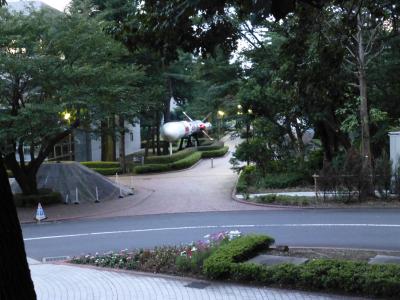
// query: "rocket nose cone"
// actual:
[[169, 132]]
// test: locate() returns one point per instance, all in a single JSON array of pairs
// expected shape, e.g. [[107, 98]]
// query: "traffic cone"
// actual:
[[40, 213]]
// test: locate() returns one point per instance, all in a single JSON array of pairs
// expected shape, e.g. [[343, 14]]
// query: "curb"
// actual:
[[51, 220], [235, 198]]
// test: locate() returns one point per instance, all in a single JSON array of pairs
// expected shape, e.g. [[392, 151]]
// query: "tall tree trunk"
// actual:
[[364, 116], [25, 176], [122, 155], [108, 140], [146, 147], [15, 277], [153, 142]]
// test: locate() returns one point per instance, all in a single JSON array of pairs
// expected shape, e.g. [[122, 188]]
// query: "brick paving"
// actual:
[[65, 282]]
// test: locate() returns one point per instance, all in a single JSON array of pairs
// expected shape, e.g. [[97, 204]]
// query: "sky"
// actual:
[[58, 4]]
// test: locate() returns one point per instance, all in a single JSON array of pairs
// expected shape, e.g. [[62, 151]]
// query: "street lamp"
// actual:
[[67, 116], [221, 115]]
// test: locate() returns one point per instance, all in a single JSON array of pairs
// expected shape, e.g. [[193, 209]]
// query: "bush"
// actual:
[[178, 165], [215, 153], [246, 179], [10, 174], [100, 164], [45, 197], [285, 200], [219, 264], [282, 180], [319, 274], [214, 146], [107, 171], [165, 159]]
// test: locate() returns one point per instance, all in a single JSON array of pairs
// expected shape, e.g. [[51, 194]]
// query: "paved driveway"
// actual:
[[198, 189]]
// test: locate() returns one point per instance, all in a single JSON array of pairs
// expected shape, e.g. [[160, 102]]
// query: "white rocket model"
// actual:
[[173, 131]]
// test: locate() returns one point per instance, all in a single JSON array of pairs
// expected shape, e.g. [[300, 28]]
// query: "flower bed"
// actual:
[[183, 259]]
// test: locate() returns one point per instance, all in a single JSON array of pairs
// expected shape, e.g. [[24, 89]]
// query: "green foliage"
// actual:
[[193, 264], [282, 180], [107, 171], [10, 174], [165, 159], [319, 274], [255, 150], [218, 265], [100, 164], [285, 200], [45, 197], [214, 153], [213, 146], [177, 165], [246, 179]]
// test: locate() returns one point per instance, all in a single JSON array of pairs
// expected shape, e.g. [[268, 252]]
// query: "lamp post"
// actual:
[[221, 116], [67, 117]]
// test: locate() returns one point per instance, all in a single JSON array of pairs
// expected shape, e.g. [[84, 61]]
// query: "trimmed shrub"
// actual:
[[246, 179], [186, 162], [214, 153], [177, 165], [107, 171], [10, 174], [45, 197], [333, 275], [100, 164], [214, 146], [285, 200], [166, 159], [282, 180], [218, 265]]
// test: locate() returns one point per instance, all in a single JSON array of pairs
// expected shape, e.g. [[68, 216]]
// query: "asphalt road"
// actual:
[[359, 228]]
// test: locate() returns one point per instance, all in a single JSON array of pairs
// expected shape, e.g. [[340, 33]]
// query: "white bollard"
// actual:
[[97, 196], [120, 193], [212, 162], [76, 196]]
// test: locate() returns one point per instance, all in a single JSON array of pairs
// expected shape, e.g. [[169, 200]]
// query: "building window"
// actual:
[[131, 135]]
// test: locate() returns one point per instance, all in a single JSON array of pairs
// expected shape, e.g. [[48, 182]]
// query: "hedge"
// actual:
[[100, 164], [177, 165], [282, 180], [45, 197], [166, 159], [214, 153], [218, 265], [332, 275], [214, 146], [107, 171], [339, 276], [285, 199]]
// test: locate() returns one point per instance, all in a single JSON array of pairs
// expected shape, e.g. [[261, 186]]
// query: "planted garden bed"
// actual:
[[223, 256]]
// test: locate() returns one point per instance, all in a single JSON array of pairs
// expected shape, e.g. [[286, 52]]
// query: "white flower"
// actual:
[[183, 253], [194, 248]]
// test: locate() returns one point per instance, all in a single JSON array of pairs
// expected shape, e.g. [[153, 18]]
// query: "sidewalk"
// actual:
[[60, 281]]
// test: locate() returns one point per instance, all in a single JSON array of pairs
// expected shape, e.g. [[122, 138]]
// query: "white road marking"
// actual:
[[206, 227]]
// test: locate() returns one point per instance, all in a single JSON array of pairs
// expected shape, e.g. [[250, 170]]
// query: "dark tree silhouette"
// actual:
[[15, 277]]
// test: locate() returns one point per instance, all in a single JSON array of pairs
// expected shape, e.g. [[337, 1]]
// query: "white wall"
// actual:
[[96, 148], [395, 148], [131, 146]]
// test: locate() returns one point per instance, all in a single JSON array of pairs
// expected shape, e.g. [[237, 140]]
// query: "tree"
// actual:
[[55, 66], [15, 278]]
